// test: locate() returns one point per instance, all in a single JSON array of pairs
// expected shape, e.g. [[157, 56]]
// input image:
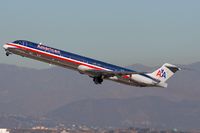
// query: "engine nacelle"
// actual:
[[83, 68], [142, 79]]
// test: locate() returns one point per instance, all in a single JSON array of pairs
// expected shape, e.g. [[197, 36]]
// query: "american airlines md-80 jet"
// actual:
[[97, 70]]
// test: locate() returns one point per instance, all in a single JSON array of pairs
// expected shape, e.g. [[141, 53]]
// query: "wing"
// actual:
[[107, 74]]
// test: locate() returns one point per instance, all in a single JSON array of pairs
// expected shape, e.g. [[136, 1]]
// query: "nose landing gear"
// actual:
[[7, 53]]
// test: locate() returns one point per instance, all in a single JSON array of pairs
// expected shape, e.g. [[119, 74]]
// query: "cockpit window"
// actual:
[[17, 42], [20, 42]]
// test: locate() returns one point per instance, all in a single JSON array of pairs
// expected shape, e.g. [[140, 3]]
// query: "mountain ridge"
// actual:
[[33, 92], [150, 111]]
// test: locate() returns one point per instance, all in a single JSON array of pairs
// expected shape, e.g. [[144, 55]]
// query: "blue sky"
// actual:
[[121, 32]]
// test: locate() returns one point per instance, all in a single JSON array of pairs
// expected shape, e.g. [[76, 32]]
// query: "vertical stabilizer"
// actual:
[[165, 72]]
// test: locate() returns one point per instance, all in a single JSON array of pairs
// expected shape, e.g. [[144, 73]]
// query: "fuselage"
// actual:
[[73, 61]]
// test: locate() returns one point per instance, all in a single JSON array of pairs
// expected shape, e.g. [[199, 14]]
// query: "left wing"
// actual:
[[107, 74], [99, 75]]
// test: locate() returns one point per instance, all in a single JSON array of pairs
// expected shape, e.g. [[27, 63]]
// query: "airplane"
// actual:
[[95, 69]]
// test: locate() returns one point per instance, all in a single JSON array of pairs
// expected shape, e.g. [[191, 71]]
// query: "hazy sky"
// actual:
[[122, 32]]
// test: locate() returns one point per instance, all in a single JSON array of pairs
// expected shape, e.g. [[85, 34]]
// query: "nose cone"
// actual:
[[8, 46], [5, 46]]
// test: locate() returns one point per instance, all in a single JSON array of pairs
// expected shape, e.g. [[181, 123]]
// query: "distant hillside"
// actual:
[[145, 111], [26, 91]]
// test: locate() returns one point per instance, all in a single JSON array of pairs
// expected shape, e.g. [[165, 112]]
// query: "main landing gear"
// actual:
[[7, 53], [98, 80]]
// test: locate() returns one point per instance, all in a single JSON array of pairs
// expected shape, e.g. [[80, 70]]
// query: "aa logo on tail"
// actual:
[[161, 73]]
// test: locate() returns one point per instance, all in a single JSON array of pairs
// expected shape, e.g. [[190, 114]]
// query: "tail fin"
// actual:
[[165, 72]]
